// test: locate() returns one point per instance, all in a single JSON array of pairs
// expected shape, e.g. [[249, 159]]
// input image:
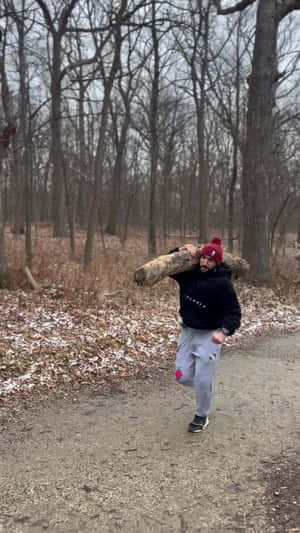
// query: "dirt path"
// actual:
[[126, 462]]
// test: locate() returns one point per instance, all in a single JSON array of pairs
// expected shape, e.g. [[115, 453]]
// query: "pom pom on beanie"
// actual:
[[213, 249]]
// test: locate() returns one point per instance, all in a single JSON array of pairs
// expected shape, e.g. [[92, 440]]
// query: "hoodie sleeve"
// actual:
[[181, 276], [231, 308]]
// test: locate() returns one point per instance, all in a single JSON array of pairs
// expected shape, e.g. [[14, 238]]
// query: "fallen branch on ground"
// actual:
[[33, 284]]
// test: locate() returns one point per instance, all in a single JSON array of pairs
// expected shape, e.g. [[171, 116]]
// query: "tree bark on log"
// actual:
[[181, 261]]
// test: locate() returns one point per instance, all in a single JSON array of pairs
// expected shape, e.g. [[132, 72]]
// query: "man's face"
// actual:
[[207, 263]]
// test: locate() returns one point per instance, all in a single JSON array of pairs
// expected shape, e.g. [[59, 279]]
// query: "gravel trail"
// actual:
[[125, 462]]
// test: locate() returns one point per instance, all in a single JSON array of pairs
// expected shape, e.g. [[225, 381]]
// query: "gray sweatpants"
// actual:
[[196, 364]]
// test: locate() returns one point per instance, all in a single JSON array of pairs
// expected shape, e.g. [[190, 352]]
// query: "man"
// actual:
[[209, 311]]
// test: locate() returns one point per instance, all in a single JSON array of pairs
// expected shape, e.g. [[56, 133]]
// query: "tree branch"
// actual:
[[65, 16], [47, 15], [240, 6], [33, 284], [284, 8], [79, 63]]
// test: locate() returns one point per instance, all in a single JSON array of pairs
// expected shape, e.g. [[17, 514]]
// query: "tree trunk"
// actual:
[[258, 147], [28, 200], [165, 193], [152, 245], [100, 154], [16, 167], [6, 102], [26, 137], [81, 204], [56, 150], [70, 211], [4, 276], [115, 198], [199, 95], [276, 221], [233, 181], [236, 142], [57, 75], [166, 265], [298, 223], [258, 156]]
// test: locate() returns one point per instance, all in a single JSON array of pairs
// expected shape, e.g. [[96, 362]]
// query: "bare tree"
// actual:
[[4, 277], [172, 125], [193, 43], [152, 132], [259, 147], [57, 25], [298, 222], [76, 167], [115, 35], [154, 102], [6, 134], [120, 109], [228, 84], [23, 149]]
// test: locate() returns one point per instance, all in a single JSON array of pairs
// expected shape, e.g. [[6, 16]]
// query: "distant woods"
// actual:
[[171, 117]]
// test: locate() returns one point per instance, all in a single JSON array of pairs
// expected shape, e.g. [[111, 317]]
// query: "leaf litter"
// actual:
[[49, 341]]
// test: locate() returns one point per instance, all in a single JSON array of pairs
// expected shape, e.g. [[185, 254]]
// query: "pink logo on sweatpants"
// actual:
[[178, 375]]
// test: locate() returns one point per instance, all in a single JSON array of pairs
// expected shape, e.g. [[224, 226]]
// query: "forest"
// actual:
[[164, 118], [127, 128], [130, 128]]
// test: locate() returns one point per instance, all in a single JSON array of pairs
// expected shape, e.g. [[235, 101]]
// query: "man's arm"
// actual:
[[231, 309], [231, 314]]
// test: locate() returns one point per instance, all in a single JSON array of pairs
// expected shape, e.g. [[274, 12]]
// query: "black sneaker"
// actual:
[[198, 424]]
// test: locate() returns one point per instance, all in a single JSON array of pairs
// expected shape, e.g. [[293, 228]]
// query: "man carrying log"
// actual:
[[209, 311]]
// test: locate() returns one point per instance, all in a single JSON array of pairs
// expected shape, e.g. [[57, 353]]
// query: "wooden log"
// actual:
[[181, 261], [33, 284]]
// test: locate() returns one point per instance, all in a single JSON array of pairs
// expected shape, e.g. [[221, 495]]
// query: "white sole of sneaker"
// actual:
[[196, 430]]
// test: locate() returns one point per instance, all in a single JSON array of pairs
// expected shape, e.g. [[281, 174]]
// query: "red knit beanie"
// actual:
[[213, 249]]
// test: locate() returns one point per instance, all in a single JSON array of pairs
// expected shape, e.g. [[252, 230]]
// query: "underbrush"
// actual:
[[285, 279], [99, 326], [110, 274], [54, 265]]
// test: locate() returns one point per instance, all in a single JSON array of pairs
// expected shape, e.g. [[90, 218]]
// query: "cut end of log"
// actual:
[[236, 264], [139, 275]]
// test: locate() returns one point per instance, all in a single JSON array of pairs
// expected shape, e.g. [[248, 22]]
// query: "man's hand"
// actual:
[[191, 248], [218, 337]]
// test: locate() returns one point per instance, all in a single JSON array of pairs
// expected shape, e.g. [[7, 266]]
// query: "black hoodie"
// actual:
[[208, 299]]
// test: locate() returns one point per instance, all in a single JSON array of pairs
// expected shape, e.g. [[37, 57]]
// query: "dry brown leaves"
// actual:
[[49, 340]]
